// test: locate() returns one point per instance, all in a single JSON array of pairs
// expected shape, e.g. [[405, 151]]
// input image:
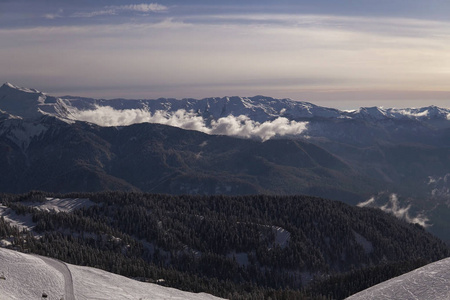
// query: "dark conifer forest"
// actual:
[[237, 247]]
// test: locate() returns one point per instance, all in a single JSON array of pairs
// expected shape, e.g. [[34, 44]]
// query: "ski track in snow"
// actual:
[[65, 271]]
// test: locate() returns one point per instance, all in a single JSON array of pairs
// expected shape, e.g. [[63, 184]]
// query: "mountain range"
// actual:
[[28, 103], [394, 159]]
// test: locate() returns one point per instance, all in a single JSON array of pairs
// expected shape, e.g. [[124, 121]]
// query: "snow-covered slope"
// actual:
[[60, 204], [29, 277], [30, 103], [429, 282]]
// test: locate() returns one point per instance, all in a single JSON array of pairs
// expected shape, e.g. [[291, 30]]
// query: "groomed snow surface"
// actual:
[[431, 282], [28, 277]]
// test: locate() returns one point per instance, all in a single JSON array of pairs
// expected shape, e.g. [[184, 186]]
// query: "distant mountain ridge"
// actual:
[[26, 103]]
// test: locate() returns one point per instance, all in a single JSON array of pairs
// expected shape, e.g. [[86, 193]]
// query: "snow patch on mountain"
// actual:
[[13, 219], [282, 236], [50, 204], [60, 204], [373, 113], [22, 133], [428, 282]]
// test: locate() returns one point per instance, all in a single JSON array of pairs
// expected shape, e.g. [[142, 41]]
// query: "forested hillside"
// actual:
[[235, 247]]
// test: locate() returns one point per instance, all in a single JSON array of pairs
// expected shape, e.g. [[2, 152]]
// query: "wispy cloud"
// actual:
[[393, 207], [152, 7], [51, 16], [366, 203], [241, 126], [94, 13], [116, 9]]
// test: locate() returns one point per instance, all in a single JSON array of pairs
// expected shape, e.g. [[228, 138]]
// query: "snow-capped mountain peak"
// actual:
[[31, 104], [22, 89], [375, 113]]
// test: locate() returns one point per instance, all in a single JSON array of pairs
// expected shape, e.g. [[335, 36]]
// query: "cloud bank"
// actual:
[[240, 126], [393, 207]]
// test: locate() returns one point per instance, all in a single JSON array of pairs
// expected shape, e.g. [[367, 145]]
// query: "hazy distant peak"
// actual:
[[18, 88], [30, 103], [7, 84]]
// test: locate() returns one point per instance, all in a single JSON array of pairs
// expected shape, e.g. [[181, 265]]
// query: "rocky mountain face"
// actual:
[[290, 147]]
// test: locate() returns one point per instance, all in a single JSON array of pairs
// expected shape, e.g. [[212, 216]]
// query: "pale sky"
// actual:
[[342, 54]]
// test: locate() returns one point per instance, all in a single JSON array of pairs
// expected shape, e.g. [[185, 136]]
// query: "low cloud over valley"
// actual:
[[241, 126]]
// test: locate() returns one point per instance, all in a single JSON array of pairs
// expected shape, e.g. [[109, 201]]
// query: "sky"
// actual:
[[342, 54]]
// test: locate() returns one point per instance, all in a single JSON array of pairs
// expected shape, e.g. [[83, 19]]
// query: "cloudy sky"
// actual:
[[342, 54]]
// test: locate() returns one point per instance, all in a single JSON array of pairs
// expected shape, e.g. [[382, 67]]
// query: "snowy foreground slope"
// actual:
[[28, 277], [429, 282]]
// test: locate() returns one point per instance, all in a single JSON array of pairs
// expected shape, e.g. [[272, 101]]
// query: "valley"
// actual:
[[225, 195]]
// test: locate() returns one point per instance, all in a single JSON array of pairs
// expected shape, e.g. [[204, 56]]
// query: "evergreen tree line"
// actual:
[[197, 243]]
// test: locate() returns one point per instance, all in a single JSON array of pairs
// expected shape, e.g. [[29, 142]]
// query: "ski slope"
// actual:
[[29, 276], [429, 282], [60, 204]]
